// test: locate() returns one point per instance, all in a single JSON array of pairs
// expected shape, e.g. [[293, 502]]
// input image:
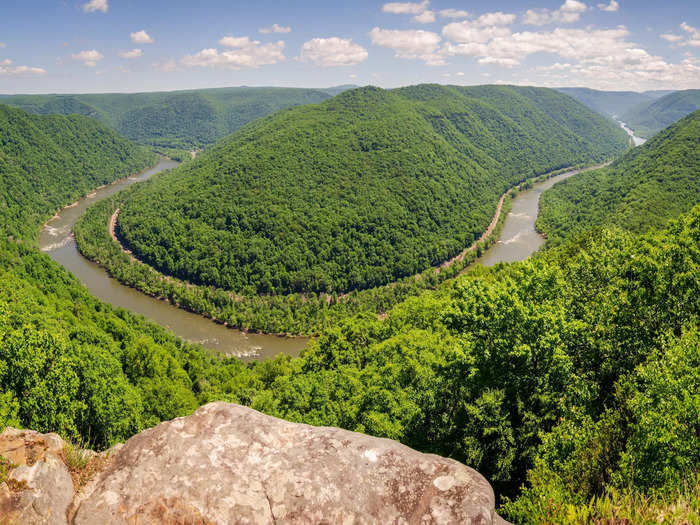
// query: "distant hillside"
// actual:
[[177, 119], [642, 190], [358, 191], [649, 118], [612, 103], [46, 161], [337, 90]]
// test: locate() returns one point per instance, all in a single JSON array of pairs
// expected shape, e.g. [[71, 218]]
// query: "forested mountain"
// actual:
[[613, 103], [642, 190], [177, 119], [651, 117], [358, 191], [560, 370], [48, 161]]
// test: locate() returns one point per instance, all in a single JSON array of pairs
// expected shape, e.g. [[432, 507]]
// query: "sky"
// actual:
[[94, 46]]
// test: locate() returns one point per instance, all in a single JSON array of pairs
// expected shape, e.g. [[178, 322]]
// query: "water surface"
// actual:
[[57, 240]]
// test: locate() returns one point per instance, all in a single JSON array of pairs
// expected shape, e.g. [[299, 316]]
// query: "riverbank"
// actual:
[[287, 315]]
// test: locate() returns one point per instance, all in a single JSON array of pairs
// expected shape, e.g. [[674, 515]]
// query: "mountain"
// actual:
[[612, 103], [649, 185], [358, 191], [337, 90], [47, 161], [176, 119], [650, 117]]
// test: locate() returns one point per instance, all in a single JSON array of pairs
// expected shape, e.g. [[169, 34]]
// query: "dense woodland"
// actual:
[[359, 191], [47, 162], [648, 118], [171, 122], [642, 190], [572, 388], [612, 103]]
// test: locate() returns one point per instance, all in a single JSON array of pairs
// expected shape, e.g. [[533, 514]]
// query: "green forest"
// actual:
[[612, 103], [648, 118], [642, 190], [173, 121], [356, 192], [571, 386], [49, 161]]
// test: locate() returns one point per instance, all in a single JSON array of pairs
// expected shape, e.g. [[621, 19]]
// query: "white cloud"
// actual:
[[569, 12], [426, 17], [503, 62], [141, 37], [454, 13], [472, 32], [2, 44], [7, 69], [332, 52], [274, 28], [612, 6], [235, 41], [252, 54], [96, 5], [89, 58], [406, 8], [495, 19], [459, 74], [694, 38], [670, 37], [134, 53], [410, 44]]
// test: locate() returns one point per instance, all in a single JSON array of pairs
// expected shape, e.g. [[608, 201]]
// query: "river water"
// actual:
[[518, 240], [56, 238]]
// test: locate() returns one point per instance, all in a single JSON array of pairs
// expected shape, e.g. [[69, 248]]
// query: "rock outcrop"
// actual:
[[230, 464]]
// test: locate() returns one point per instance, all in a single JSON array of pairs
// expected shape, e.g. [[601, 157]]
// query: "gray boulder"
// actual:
[[230, 464]]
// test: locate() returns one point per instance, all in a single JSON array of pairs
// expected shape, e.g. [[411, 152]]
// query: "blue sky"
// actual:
[[81, 46]]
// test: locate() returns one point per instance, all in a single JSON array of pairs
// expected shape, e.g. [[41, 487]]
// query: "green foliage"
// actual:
[[180, 120], [649, 185], [49, 161], [359, 191], [650, 117], [613, 103]]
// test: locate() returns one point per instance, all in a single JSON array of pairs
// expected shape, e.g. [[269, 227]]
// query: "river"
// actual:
[[56, 239], [518, 240]]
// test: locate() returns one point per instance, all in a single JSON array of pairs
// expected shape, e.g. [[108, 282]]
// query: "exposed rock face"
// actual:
[[39, 489], [230, 464]]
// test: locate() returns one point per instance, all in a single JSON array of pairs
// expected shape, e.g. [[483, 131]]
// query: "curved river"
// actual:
[[518, 240], [56, 238]]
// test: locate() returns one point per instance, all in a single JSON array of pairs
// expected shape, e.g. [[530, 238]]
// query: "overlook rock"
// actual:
[[230, 464]]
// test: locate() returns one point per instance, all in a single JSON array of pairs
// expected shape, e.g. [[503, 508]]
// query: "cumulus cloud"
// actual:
[[694, 35], [332, 52], [670, 37], [141, 37], [454, 13], [421, 13], [274, 28], [612, 6], [235, 41], [7, 69], [244, 54], [89, 58], [569, 12], [426, 17], [96, 5], [406, 8], [134, 53], [410, 44]]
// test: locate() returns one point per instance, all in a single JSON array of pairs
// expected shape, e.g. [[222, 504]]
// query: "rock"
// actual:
[[230, 464], [39, 488]]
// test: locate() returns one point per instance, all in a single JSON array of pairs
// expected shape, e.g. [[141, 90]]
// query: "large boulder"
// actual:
[[38, 489], [230, 464]]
